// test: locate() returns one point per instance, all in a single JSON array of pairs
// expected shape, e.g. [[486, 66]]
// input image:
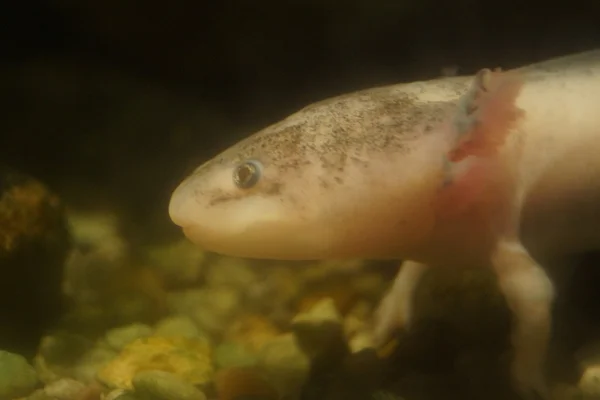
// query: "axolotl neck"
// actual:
[[352, 176]]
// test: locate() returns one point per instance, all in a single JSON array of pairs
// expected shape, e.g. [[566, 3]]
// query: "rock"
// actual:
[[177, 326], [99, 252], [141, 301], [285, 365], [321, 312], [588, 358], [368, 284], [89, 319], [34, 241], [63, 348], [93, 361], [589, 384], [567, 392], [243, 383], [275, 291], [17, 377], [231, 272], [120, 394], [228, 354], [185, 302], [211, 309], [101, 273], [179, 263], [161, 385], [252, 331], [383, 395], [118, 338], [39, 394], [357, 320], [357, 328], [361, 341], [190, 359], [340, 292], [67, 355], [117, 306], [320, 334], [65, 389]]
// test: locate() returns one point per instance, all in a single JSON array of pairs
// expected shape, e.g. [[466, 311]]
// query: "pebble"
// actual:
[[185, 302], [211, 309], [181, 326], [190, 359], [231, 272], [34, 241], [357, 328], [243, 383], [341, 293], [589, 383], [361, 341], [218, 309], [231, 354], [179, 263], [118, 338], [278, 287], [322, 311], [64, 389], [17, 377], [98, 249], [319, 334], [251, 330], [371, 284], [120, 394], [357, 319], [92, 362], [58, 353], [162, 385], [285, 365]]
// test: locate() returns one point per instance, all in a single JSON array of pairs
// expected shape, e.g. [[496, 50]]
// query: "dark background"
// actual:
[[112, 102]]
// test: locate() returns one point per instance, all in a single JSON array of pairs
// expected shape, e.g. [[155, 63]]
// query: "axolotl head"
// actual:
[[351, 176]]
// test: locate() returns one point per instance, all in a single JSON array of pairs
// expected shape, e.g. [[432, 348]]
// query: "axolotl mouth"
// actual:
[[264, 240]]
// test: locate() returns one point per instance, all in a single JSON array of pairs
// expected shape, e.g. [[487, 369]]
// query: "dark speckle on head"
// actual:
[[218, 198], [274, 189], [341, 131]]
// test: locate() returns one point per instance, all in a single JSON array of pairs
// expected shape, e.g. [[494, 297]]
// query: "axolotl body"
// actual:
[[481, 170]]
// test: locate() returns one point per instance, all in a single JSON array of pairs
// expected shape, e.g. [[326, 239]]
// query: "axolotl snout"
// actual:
[[480, 170]]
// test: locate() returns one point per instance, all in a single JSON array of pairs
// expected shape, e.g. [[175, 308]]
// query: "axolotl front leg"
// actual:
[[396, 308], [529, 294], [487, 115]]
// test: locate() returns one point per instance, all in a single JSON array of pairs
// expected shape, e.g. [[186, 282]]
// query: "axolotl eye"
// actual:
[[247, 174]]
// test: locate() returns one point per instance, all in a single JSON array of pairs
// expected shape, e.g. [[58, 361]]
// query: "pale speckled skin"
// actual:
[[359, 176], [329, 170]]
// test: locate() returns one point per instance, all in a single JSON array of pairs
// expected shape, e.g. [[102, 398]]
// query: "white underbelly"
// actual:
[[561, 213], [559, 165]]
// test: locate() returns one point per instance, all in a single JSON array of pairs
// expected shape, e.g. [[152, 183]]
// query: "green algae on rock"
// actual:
[[162, 385], [17, 377], [190, 359], [119, 337]]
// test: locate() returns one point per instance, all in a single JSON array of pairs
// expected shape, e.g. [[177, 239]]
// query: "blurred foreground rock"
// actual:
[[34, 241]]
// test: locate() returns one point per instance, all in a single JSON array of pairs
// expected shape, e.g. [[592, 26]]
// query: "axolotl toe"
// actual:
[[480, 170]]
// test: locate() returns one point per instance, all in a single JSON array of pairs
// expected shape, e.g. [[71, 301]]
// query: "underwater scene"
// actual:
[[383, 200]]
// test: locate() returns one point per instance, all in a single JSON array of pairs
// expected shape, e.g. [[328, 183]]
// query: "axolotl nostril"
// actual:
[[479, 170]]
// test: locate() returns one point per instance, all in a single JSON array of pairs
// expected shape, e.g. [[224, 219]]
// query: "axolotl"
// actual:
[[481, 170]]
